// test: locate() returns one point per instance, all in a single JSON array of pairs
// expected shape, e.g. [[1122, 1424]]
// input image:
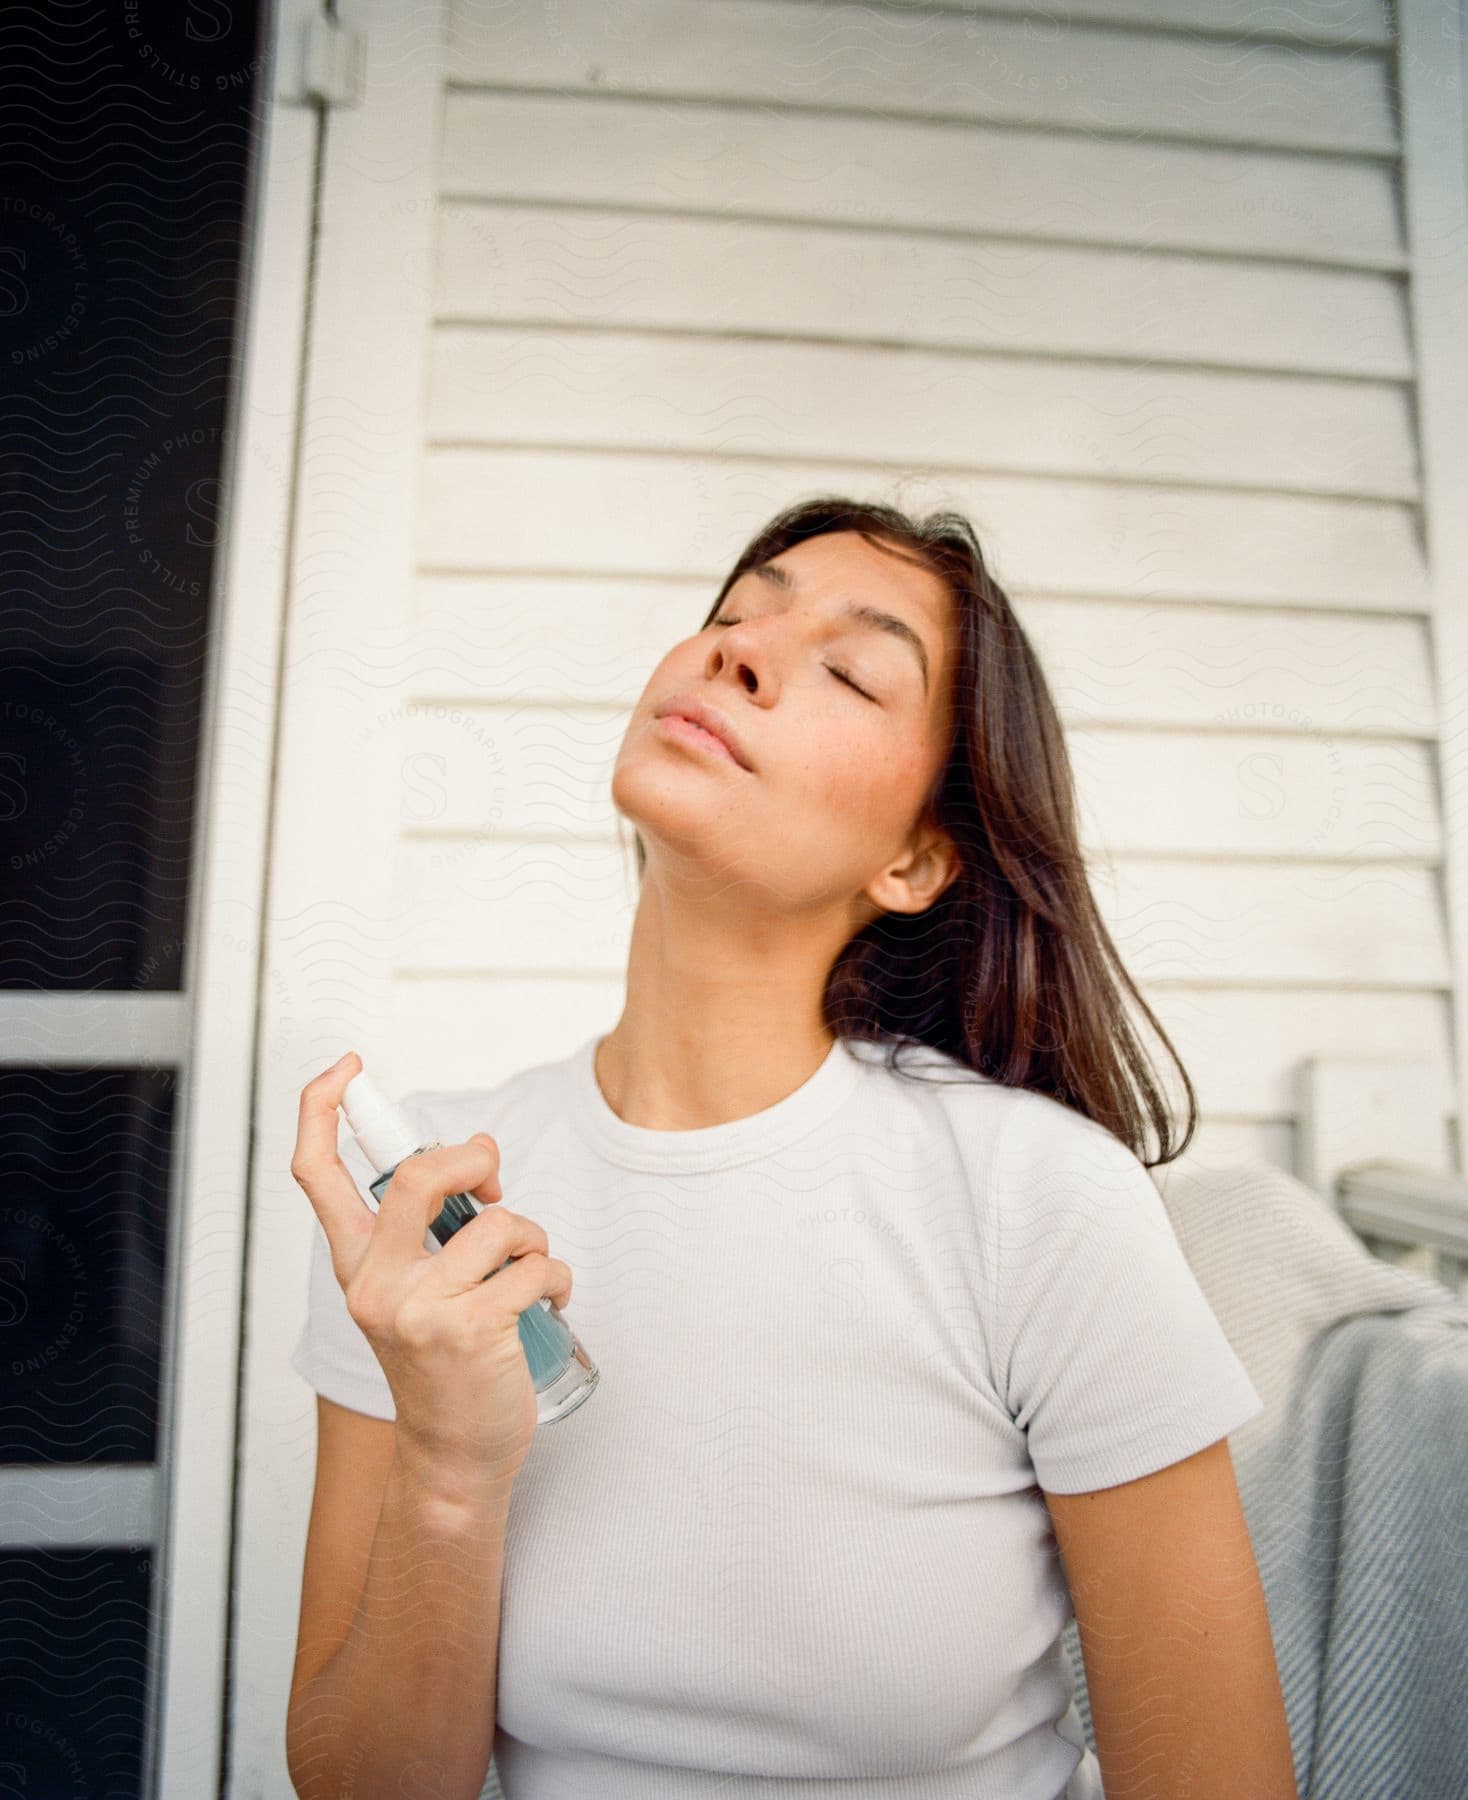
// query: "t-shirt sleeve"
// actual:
[[332, 1353], [1105, 1348]]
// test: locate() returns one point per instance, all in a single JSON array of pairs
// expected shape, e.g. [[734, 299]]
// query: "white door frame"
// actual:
[[194, 1495], [331, 935]]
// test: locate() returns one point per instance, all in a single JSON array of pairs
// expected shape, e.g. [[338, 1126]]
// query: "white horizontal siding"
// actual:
[[659, 513], [836, 172], [590, 268], [954, 411], [1126, 285], [1121, 661], [883, 61]]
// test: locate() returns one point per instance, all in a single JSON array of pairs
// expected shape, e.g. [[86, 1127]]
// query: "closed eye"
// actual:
[[840, 674]]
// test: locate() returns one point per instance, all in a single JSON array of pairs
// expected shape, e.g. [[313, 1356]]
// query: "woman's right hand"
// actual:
[[443, 1324]]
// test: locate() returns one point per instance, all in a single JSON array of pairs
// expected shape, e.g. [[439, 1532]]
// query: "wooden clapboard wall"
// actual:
[[1126, 281]]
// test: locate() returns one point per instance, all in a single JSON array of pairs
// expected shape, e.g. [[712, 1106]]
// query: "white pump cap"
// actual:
[[379, 1125]]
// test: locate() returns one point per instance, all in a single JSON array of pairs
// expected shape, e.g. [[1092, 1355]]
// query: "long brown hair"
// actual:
[[1011, 970]]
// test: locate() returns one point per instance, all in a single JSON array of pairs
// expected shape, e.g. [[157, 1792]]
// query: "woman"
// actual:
[[900, 1358]]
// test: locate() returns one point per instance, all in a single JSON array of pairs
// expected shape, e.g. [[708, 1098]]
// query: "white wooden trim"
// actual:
[[207, 1213], [99, 1504], [71, 1031], [1433, 63], [330, 943]]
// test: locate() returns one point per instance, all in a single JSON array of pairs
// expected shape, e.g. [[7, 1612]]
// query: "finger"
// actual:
[[345, 1216], [531, 1277], [480, 1248], [415, 1196], [489, 1190]]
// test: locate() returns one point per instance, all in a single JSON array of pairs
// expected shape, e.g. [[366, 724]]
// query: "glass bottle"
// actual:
[[562, 1373]]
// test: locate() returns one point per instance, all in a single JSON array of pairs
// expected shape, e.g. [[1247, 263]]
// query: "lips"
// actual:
[[708, 718]]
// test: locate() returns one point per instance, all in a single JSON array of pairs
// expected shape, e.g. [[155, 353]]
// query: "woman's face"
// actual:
[[826, 812]]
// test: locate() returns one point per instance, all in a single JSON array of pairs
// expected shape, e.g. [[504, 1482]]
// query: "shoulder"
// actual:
[[1059, 1180], [1048, 1141], [1044, 1179], [1010, 1136]]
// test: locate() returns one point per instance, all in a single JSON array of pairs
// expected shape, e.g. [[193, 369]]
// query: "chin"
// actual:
[[679, 813]]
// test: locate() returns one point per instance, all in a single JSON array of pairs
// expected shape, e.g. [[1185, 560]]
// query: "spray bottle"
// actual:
[[563, 1374]]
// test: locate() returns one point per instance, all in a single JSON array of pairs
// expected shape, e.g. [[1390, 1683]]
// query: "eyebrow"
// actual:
[[872, 617]]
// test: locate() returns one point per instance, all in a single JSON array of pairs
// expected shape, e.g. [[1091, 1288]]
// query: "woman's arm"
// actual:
[[394, 1689], [397, 1653], [1180, 1668]]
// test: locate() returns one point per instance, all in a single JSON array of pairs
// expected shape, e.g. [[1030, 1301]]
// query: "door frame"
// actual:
[[194, 1494], [330, 932]]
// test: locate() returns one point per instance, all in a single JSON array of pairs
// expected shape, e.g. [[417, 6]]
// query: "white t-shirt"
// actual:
[[798, 1530]]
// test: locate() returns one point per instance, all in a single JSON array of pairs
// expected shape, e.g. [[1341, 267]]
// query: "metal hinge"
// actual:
[[333, 61]]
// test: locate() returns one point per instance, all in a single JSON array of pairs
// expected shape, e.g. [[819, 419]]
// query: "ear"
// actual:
[[929, 866]]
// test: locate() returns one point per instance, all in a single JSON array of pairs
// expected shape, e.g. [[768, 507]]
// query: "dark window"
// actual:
[[121, 210], [72, 1661], [84, 1168], [126, 149]]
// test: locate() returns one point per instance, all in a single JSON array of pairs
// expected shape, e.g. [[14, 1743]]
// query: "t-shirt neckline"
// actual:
[[711, 1146]]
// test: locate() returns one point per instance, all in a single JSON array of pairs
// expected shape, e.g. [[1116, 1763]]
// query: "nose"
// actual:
[[739, 650]]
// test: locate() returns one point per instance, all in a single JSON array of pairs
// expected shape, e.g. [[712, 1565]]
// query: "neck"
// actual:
[[722, 1016]]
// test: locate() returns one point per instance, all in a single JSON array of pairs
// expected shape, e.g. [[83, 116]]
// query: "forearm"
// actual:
[[1212, 1724], [406, 1705]]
